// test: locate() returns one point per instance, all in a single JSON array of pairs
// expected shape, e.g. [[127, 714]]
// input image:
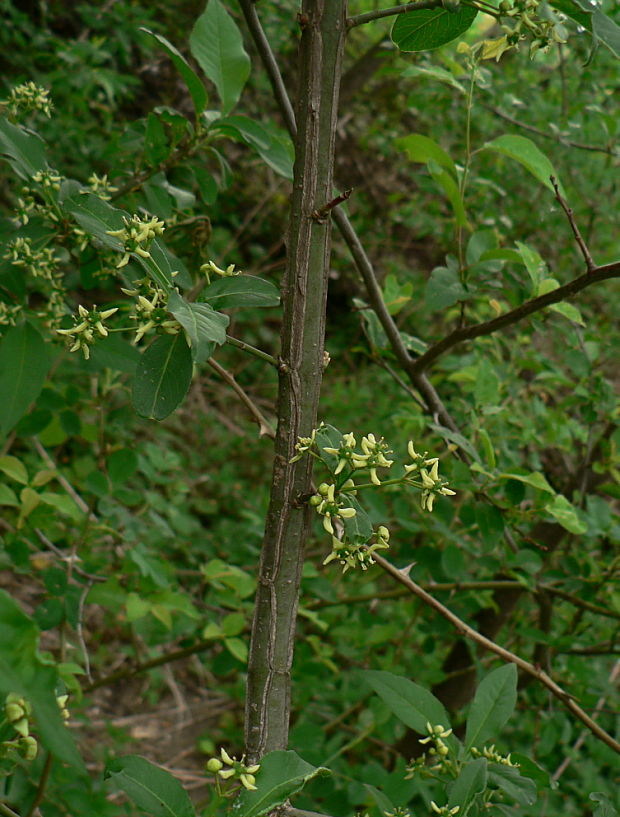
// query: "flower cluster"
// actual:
[[229, 768], [444, 811], [150, 311], [521, 20], [423, 472], [87, 327], [491, 754], [438, 753], [136, 236], [48, 179], [210, 266], [40, 263], [354, 540], [29, 97], [101, 186], [17, 712]]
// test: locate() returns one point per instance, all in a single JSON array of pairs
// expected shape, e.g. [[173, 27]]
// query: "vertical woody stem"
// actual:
[[301, 367]]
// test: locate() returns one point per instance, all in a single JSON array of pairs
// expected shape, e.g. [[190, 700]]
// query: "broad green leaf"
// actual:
[[24, 363], [576, 11], [8, 496], [604, 807], [564, 513], [480, 242], [396, 295], [22, 671], [384, 803], [62, 503], [486, 390], [217, 46], [420, 148], [411, 703], [241, 290], [149, 787], [237, 648], [471, 781], [607, 31], [444, 288], [25, 151], [159, 265], [14, 468], [359, 527], [114, 352], [534, 265], [568, 311], [96, 217], [281, 774], [535, 480], [194, 84], [162, 377], [271, 144], [518, 788], [451, 189], [202, 323], [524, 151], [426, 29], [458, 439], [493, 704]]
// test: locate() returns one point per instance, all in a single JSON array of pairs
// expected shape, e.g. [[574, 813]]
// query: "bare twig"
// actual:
[[613, 676], [82, 505], [240, 344], [546, 135], [91, 577], [487, 644], [573, 225], [515, 315], [265, 430], [369, 16]]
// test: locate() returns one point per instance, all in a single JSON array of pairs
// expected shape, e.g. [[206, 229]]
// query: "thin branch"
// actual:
[[137, 668], [573, 225], [613, 676], [465, 630], [546, 135], [515, 315], [91, 577], [369, 16], [240, 344], [82, 505], [265, 430], [6, 811], [42, 785]]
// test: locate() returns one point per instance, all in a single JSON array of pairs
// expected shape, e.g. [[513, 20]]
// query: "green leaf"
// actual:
[[434, 72], [426, 29], [202, 323], [524, 151], [271, 144], [451, 189], [508, 779], [411, 703], [480, 242], [384, 803], [471, 781], [237, 648], [96, 217], [420, 148], [162, 377], [14, 468], [25, 151], [534, 265], [604, 807], [241, 290], [114, 352], [568, 311], [281, 774], [194, 84], [8, 496], [149, 787], [535, 480], [24, 363], [607, 31], [486, 390], [359, 527], [444, 288], [22, 671], [217, 46], [564, 513], [493, 704]]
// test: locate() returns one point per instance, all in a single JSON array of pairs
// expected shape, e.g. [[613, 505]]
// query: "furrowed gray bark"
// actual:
[[304, 295]]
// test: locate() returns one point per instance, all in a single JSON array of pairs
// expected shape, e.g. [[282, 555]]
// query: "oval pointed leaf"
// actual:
[[196, 89], [524, 151], [217, 45], [564, 513], [149, 787], [24, 363], [411, 703], [271, 144], [282, 774], [162, 377], [420, 148], [471, 781], [493, 704], [24, 151], [241, 290], [202, 323], [96, 217], [426, 29]]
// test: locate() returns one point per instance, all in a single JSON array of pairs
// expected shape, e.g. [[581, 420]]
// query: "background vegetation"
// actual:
[[129, 546]]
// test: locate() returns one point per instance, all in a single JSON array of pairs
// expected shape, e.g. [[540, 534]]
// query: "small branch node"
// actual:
[[590, 265]]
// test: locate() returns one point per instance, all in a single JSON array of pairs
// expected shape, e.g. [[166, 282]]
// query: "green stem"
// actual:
[[240, 344], [468, 155], [8, 812]]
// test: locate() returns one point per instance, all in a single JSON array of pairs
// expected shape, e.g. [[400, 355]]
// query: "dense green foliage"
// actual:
[[134, 480]]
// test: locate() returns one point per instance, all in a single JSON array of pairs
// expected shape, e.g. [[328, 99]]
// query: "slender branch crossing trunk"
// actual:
[[301, 368]]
